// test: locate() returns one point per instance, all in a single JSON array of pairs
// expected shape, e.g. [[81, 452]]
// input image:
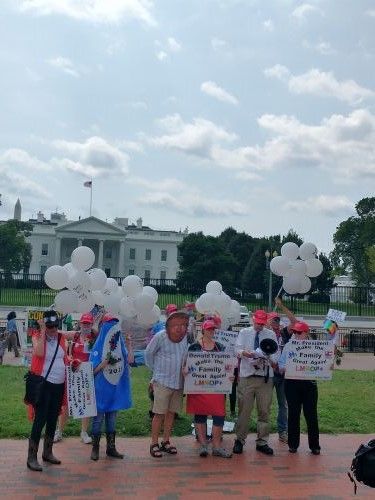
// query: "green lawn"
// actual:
[[346, 404]]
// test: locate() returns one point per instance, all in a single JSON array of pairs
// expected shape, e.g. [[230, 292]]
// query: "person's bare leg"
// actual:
[[201, 430], [157, 422], [168, 425], [85, 424], [62, 419], [217, 434]]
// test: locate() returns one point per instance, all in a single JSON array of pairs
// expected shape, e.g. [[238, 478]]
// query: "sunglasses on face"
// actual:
[[277, 320]]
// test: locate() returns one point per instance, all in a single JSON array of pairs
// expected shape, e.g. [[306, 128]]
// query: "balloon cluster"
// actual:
[[217, 302], [297, 265], [85, 287]]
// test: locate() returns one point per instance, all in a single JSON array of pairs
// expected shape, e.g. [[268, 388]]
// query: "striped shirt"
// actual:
[[165, 359]]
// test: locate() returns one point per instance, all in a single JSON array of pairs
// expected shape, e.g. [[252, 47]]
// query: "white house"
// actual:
[[120, 248]]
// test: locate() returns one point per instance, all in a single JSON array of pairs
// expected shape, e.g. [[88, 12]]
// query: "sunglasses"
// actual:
[[276, 319]]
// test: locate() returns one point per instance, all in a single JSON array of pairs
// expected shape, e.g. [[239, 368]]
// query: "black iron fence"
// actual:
[[30, 290]]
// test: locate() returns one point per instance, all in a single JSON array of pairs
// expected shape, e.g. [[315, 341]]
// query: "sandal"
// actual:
[[155, 451], [167, 448]]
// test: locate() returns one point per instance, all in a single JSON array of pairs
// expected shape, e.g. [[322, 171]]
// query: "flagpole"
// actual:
[[90, 197]]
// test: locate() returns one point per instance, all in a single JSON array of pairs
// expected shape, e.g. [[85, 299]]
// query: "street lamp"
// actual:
[[267, 254]]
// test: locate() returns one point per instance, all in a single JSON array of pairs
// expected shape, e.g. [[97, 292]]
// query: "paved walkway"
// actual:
[[185, 476]]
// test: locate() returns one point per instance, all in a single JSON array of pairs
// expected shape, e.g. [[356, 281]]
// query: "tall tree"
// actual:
[[15, 251], [324, 282]]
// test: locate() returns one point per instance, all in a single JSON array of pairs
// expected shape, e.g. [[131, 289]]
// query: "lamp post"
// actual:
[[267, 254]]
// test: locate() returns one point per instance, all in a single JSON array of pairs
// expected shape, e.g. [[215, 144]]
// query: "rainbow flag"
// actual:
[[330, 326]]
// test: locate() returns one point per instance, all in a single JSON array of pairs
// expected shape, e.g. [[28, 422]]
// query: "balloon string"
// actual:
[[278, 293]]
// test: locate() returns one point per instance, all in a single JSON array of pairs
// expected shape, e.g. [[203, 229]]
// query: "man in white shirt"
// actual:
[[255, 383]]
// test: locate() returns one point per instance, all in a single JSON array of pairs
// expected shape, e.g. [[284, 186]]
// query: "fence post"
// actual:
[[360, 302], [40, 290], [1, 282]]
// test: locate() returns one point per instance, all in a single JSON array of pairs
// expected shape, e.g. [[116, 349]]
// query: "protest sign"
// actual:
[[309, 359], [81, 391], [209, 372], [337, 316], [226, 338]]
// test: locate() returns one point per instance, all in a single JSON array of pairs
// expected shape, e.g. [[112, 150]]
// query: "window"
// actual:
[[108, 253], [44, 248], [148, 254], [131, 271], [43, 269], [164, 255], [147, 277], [132, 253], [163, 275], [107, 271]]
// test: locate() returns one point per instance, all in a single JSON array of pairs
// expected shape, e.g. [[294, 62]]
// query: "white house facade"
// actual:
[[120, 248]]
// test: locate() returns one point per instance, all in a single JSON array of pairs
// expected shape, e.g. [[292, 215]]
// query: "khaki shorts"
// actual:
[[166, 399]]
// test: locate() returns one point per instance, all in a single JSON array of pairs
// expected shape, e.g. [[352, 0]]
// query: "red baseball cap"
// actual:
[[170, 308], [300, 326], [209, 324], [260, 317], [86, 318], [273, 315]]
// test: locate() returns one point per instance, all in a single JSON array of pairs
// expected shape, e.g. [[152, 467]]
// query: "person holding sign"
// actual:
[[256, 381], [202, 405], [301, 394], [112, 384]]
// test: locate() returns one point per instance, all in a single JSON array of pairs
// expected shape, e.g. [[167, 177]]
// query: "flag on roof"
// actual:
[[88, 184]]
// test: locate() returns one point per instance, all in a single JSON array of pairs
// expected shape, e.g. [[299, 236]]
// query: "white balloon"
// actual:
[[56, 277], [98, 278], [70, 269], [113, 304], [297, 267], [207, 303], [305, 285], [143, 303], [290, 250], [214, 287], [307, 251], [127, 307], [149, 290], [79, 281], [198, 306], [291, 284], [280, 265], [66, 301], [313, 267], [82, 258], [111, 285], [235, 307], [150, 317], [132, 285], [98, 297], [86, 303], [222, 303]]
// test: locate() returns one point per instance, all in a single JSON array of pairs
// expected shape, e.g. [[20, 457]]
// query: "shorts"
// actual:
[[166, 399]]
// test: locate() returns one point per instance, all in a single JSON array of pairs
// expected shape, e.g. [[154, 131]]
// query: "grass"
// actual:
[[346, 404]]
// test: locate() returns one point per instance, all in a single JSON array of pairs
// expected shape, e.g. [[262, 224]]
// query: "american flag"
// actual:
[[88, 184]]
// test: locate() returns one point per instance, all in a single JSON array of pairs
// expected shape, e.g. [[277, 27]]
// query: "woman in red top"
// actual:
[[81, 343], [202, 405], [49, 357]]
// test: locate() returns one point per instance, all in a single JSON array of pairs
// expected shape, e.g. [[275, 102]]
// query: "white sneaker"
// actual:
[[85, 438], [58, 436]]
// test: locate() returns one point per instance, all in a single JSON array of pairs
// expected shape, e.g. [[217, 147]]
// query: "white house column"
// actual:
[[100, 256], [58, 251], [121, 259]]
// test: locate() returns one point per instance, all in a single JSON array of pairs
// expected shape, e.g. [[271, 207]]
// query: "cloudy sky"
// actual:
[[201, 113]]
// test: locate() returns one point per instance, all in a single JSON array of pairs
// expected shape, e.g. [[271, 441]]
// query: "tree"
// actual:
[[15, 251], [352, 239], [202, 259]]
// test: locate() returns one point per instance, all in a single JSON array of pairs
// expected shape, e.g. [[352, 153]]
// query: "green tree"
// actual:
[[15, 251], [352, 239]]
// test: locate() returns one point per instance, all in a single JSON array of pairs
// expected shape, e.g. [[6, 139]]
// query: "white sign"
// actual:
[[226, 338], [309, 359], [209, 372], [337, 316], [81, 391]]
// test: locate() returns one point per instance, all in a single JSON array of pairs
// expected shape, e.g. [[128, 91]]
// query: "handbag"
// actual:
[[34, 383]]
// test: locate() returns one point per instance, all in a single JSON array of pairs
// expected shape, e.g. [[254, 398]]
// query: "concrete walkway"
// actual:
[[186, 475]]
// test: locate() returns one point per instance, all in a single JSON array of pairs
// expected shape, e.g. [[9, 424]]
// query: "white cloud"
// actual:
[[214, 90], [322, 47], [268, 25], [65, 65], [18, 158], [161, 55], [303, 11], [173, 44], [320, 83], [218, 44], [371, 12], [95, 11], [137, 105], [331, 206], [21, 185], [248, 176], [95, 157]]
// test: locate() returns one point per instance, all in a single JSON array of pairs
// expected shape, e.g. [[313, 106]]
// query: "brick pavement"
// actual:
[[185, 476]]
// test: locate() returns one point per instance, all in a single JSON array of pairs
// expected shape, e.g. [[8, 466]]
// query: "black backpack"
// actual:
[[363, 465]]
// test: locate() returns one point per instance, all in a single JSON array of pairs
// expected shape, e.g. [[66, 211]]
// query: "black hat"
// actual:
[[268, 346], [51, 318]]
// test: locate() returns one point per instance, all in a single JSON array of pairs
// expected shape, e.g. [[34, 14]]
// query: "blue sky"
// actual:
[[200, 114]]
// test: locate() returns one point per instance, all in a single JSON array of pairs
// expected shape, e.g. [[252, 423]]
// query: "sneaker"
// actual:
[[58, 436], [292, 450], [221, 452], [283, 437], [203, 450], [267, 450], [315, 451], [85, 438], [238, 447]]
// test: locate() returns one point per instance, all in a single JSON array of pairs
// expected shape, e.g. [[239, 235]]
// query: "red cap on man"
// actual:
[[170, 308], [208, 324], [86, 318], [301, 327], [273, 315], [260, 317]]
